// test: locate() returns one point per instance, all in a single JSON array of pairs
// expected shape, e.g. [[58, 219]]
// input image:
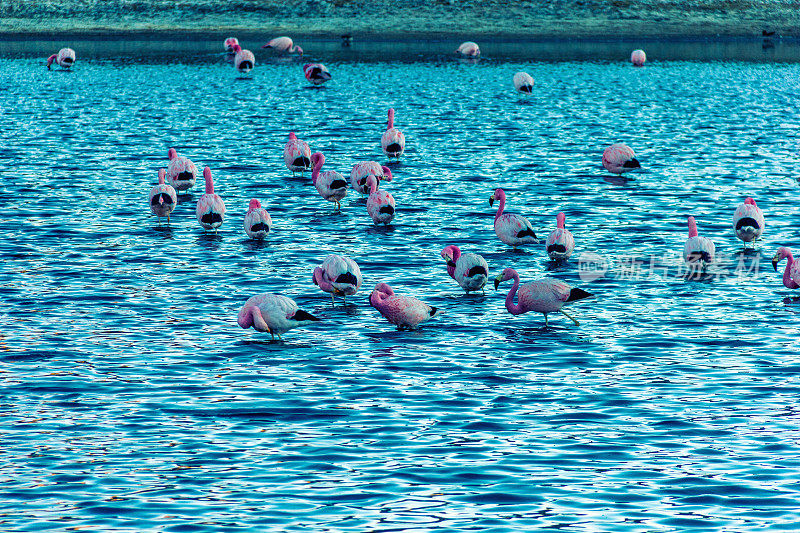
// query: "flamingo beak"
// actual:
[[491, 200], [497, 281], [775, 261]]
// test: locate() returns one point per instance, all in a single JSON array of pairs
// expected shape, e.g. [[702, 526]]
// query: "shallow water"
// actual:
[[133, 401]]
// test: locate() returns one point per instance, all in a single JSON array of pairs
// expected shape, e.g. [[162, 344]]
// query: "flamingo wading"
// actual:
[[469, 270], [406, 312], [210, 207], [163, 197], [544, 296], [274, 314], [511, 229], [331, 185], [393, 142], [338, 275]]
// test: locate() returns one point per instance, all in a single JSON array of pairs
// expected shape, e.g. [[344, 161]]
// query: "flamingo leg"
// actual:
[[566, 315], [545, 319], [167, 219], [333, 302]]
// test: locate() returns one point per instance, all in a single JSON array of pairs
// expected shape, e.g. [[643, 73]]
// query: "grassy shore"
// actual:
[[406, 19]]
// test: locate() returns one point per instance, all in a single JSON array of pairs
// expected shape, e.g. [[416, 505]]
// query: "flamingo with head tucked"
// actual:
[[316, 73], [544, 296], [257, 222], [330, 185], [380, 204], [393, 142], [338, 275], [511, 229], [523, 82], [468, 49], [748, 221], [181, 172], [229, 44], [406, 312], [560, 242], [210, 207], [469, 270], [791, 275], [698, 251], [638, 57], [274, 314], [619, 158], [360, 172], [65, 58], [283, 44], [296, 154], [243, 60], [163, 198]]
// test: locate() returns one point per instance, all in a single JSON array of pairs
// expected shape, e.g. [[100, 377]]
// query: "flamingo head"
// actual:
[[506, 275], [387, 173], [254, 204], [451, 254], [236, 48], [172, 154], [317, 159], [299, 50], [161, 176], [371, 184], [229, 42], [782, 253], [50, 60], [292, 136], [498, 195], [750, 201], [381, 291], [245, 318]]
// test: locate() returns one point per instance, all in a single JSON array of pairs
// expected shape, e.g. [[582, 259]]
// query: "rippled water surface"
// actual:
[[131, 400]]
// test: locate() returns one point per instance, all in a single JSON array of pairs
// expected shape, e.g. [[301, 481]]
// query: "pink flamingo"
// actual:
[[181, 172], [65, 58], [393, 142], [316, 73], [406, 312], [380, 204], [523, 82], [283, 44], [791, 275], [358, 176], [163, 198], [338, 275], [331, 185], [511, 229], [697, 250], [229, 43], [619, 158], [296, 154], [638, 57], [748, 221], [469, 270], [468, 49], [560, 242], [257, 222], [274, 314], [544, 296], [210, 207], [244, 60]]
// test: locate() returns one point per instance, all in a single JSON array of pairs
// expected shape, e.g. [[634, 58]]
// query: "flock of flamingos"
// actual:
[[340, 276]]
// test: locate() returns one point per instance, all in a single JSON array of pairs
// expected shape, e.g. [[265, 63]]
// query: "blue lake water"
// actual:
[[132, 401]]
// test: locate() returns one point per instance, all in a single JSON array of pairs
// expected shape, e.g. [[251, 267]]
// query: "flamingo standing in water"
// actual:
[[748, 221], [469, 270], [210, 207], [523, 82], [229, 44], [619, 158], [338, 275], [468, 49], [393, 142], [296, 155], [316, 73], [163, 198], [181, 172], [274, 314], [65, 58], [283, 44], [698, 250], [791, 275], [331, 185], [511, 229], [360, 172], [406, 312], [638, 57], [243, 60], [380, 204], [544, 296], [560, 242], [257, 222]]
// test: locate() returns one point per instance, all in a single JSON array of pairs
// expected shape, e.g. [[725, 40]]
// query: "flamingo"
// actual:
[[210, 207], [544, 296], [283, 44], [393, 142], [380, 204], [65, 58], [638, 57], [619, 158], [244, 60], [316, 73], [523, 82], [331, 185], [181, 172], [468, 49], [274, 314], [296, 154], [406, 312], [469, 270], [697, 250], [560, 243], [163, 198], [338, 275], [257, 222], [358, 176], [748, 221], [511, 229], [791, 275], [229, 44]]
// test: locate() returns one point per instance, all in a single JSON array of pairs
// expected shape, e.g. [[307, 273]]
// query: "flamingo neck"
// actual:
[[514, 309], [172, 154], [692, 228], [451, 268], [560, 219], [501, 204], [390, 123], [50, 60], [209, 185], [787, 273], [315, 172], [161, 176], [372, 185], [319, 279], [750, 201]]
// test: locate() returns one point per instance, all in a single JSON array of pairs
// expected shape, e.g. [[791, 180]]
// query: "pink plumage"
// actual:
[[210, 207], [243, 60], [511, 229], [296, 154], [468, 49], [338, 275], [393, 142], [560, 242], [791, 274], [544, 296], [406, 312], [273, 313], [364, 169], [380, 204], [257, 222], [638, 57], [65, 58], [697, 250], [331, 185], [284, 45], [748, 221], [469, 270], [229, 43], [316, 73], [181, 172], [163, 198], [619, 158]]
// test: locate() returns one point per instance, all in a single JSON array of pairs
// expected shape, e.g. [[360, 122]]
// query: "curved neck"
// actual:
[[372, 184], [501, 204], [320, 280], [315, 172], [172, 154], [787, 273], [451, 267], [514, 309]]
